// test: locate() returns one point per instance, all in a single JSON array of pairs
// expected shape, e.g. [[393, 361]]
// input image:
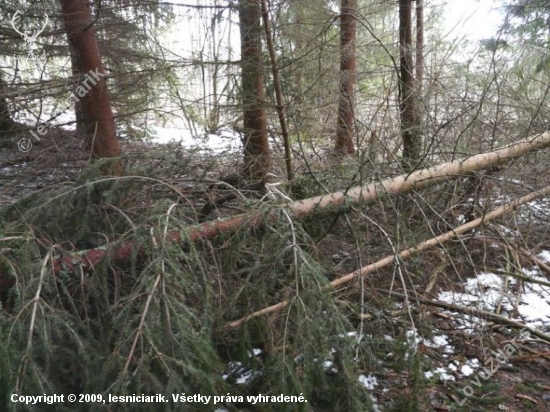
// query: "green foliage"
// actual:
[[157, 324], [529, 20], [5, 384]]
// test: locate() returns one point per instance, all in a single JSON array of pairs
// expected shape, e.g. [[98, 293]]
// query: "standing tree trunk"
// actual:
[[280, 106], [100, 126], [257, 155], [78, 104], [419, 66], [408, 101], [345, 129], [6, 123]]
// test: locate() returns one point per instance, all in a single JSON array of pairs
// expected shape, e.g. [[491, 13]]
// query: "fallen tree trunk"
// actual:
[[433, 242], [421, 178], [342, 201]]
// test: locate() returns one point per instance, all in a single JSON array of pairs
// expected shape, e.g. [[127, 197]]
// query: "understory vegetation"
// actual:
[[158, 319], [335, 205]]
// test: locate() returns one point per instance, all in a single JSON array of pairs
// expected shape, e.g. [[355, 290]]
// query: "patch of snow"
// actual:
[[441, 373], [247, 376], [532, 273], [449, 349], [535, 308], [375, 406], [368, 382], [466, 370], [226, 140], [438, 341], [329, 367], [545, 255], [482, 281], [485, 292], [412, 336], [255, 352], [356, 336]]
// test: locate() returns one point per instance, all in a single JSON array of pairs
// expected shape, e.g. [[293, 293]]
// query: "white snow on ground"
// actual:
[[255, 352], [545, 255], [226, 141], [486, 291], [438, 341], [368, 382], [534, 307], [441, 373], [466, 370]]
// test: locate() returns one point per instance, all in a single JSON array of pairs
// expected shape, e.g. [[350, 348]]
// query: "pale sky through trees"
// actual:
[[474, 19], [471, 19]]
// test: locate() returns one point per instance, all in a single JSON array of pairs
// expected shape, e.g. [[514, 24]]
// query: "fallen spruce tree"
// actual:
[[390, 259], [155, 325], [84, 261]]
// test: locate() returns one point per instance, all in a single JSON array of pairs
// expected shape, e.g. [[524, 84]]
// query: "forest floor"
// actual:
[[460, 352]]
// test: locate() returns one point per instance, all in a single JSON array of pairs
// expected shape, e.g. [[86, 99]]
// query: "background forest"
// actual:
[[338, 200]]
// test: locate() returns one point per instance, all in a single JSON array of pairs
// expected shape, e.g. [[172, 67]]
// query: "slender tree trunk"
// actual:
[[419, 46], [100, 126], [345, 129], [5, 117], [409, 120], [278, 91], [213, 119], [257, 155]]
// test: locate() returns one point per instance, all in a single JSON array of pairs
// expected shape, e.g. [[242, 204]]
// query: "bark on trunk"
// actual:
[[419, 46], [409, 120], [100, 126], [257, 156], [340, 201], [345, 128], [76, 70], [6, 122]]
